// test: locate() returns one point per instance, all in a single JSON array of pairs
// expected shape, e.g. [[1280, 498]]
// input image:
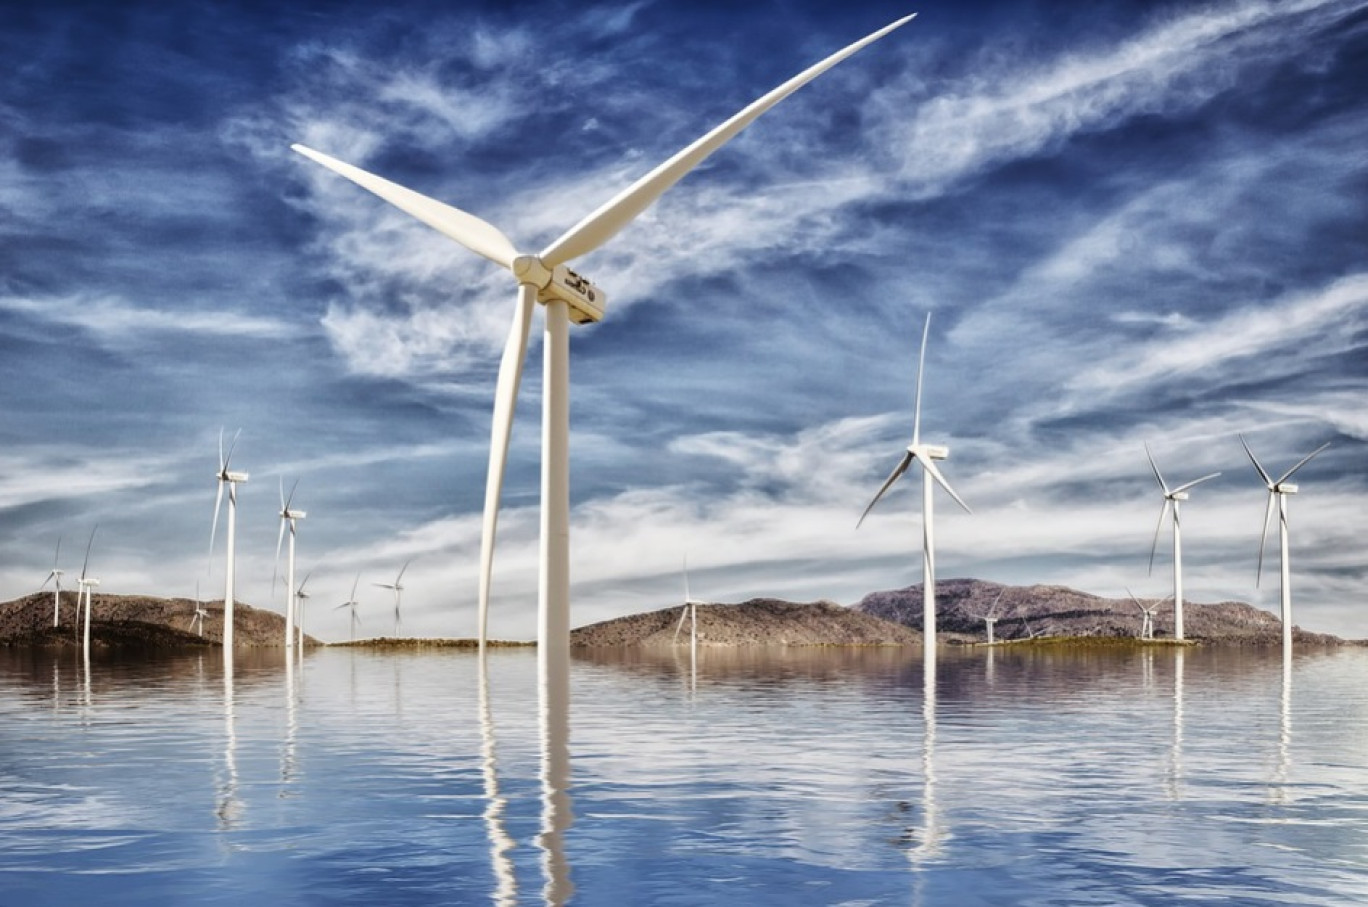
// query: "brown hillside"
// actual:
[[136, 621], [758, 622]]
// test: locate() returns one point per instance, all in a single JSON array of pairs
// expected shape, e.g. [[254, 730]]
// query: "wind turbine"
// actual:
[[85, 583], [1172, 497], [545, 277], [398, 588], [197, 619], [232, 480], [55, 577], [288, 516], [352, 603], [926, 455], [1280, 490], [989, 617], [1147, 615], [301, 596], [691, 610]]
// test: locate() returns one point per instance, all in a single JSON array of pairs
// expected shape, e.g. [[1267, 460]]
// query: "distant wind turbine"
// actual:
[[300, 597], [85, 583], [288, 517], [397, 587], [197, 619], [55, 577], [926, 455], [989, 617], [1147, 615], [545, 277], [691, 610], [232, 480], [1172, 497], [352, 603], [1279, 490]]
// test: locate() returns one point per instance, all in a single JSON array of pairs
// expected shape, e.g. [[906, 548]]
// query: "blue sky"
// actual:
[[1132, 222]]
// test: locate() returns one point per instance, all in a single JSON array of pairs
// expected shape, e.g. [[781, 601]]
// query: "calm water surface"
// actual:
[[807, 777]]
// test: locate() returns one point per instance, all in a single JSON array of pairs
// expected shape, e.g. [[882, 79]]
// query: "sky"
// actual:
[[1130, 223]]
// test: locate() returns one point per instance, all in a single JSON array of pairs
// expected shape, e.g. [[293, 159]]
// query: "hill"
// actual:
[[136, 621], [1025, 611], [758, 622]]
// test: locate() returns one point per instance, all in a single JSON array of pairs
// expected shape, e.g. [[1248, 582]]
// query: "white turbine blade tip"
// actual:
[[477, 235]]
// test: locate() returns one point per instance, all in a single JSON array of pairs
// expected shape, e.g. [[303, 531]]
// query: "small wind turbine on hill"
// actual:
[[989, 617], [1279, 491], [197, 619], [300, 598], [1172, 497], [1147, 615], [232, 480], [926, 455], [397, 587], [546, 278], [85, 583], [55, 577], [352, 603], [288, 517], [691, 611]]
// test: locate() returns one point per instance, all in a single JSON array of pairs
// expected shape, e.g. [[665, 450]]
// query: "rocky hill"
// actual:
[[1025, 611], [136, 621], [758, 622]]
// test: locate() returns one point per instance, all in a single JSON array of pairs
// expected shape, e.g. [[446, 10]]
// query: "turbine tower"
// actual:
[[546, 278], [55, 577], [1279, 490], [1172, 497], [926, 455], [85, 583], [232, 480], [300, 597], [288, 516], [397, 587], [352, 603]]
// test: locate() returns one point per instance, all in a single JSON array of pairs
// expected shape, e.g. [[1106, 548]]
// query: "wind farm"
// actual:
[[838, 241]]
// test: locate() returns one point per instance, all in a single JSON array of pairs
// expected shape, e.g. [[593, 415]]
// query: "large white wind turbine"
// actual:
[[545, 277], [1147, 615], [397, 587], [352, 603], [1280, 490], [83, 599], [990, 617], [55, 577], [231, 479], [197, 619], [1172, 497], [926, 455], [288, 516]]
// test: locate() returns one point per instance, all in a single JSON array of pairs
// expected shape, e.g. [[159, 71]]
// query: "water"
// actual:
[[807, 777]]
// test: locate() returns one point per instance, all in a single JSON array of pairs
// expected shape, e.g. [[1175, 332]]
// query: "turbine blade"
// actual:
[[86, 562], [398, 579], [1134, 599], [921, 366], [500, 431], [355, 583], [1304, 460], [892, 477], [600, 226], [1159, 527], [1263, 473], [275, 568], [1154, 466], [58, 556], [213, 529], [930, 466], [683, 613], [229, 458], [222, 465], [476, 234], [1195, 482], [1263, 536]]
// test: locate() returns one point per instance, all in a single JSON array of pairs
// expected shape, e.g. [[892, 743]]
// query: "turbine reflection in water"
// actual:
[[229, 808], [499, 841], [288, 755], [1175, 778], [557, 815], [1284, 765]]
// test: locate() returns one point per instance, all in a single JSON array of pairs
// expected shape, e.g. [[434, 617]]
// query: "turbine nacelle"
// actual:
[[1177, 496], [293, 514], [586, 301], [235, 477], [1284, 488], [87, 581], [929, 451]]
